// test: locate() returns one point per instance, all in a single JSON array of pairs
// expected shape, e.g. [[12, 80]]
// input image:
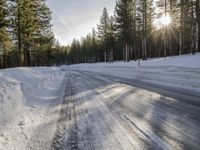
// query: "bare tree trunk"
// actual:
[[181, 30], [160, 48], [145, 48], [197, 38], [180, 43], [135, 52], [150, 48], [20, 62], [192, 28], [98, 57], [0, 63], [129, 53], [27, 55], [105, 56], [170, 44], [4, 58], [126, 53], [111, 55], [29, 58], [198, 25], [145, 31], [165, 35], [135, 36], [170, 32], [165, 42]]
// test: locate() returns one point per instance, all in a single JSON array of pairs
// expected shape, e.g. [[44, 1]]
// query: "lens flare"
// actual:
[[165, 20]]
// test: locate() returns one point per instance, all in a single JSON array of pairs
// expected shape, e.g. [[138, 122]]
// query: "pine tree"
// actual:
[[24, 25], [146, 29], [111, 38], [32, 28], [124, 16], [95, 51], [83, 49], [197, 3], [150, 26], [44, 38], [75, 51], [185, 26], [169, 35], [102, 28], [5, 45], [5, 40], [3, 13], [172, 12], [192, 28], [144, 19]]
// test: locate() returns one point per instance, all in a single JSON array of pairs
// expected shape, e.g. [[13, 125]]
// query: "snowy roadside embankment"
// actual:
[[178, 71], [26, 94]]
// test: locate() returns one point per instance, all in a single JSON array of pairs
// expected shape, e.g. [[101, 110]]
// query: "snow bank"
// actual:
[[178, 71], [188, 60], [25, 94]]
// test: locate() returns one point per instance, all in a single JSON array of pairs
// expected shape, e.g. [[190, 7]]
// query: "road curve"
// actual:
[[102, 112]]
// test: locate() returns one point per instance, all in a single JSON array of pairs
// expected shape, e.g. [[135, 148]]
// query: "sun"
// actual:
[[165, 20]]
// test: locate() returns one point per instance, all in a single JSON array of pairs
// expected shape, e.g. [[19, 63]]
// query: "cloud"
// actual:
[[75, 18]]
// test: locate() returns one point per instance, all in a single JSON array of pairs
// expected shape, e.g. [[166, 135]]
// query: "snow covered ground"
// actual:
[[25, 96], [92, 106], [187, 60], [105, 112], [178, 71]]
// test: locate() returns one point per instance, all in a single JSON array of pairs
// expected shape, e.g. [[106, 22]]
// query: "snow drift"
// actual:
[[25, 94]]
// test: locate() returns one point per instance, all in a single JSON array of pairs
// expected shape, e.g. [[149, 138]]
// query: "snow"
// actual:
[[31, 103], [25, 95], [178, 71], [187, 60], [99, 113]]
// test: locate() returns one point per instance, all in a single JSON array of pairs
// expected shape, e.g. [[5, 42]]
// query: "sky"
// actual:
[[76, 18]]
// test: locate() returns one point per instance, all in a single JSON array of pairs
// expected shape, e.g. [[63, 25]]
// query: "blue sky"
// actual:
[[76, 18]]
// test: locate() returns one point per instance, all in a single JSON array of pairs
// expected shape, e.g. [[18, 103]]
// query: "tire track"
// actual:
[[93, 117], [66, 128], [166, 131]]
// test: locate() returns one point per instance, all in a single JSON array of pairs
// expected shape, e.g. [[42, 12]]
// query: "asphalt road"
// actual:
[[101, 112]]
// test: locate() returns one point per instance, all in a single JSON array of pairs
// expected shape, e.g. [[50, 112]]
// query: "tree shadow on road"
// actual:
[[159, 121]]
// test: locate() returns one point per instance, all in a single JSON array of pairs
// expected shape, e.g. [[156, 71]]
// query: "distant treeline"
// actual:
[[134, 32]]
